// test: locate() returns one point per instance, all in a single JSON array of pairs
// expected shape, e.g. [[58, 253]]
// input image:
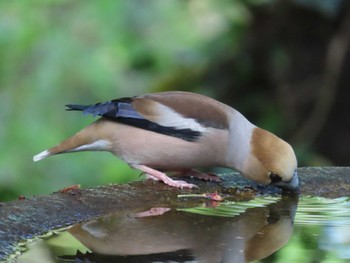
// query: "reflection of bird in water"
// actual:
[[177, 131], [253, 235]]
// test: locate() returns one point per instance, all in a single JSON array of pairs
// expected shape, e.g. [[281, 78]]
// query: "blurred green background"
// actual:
[[281, 63]]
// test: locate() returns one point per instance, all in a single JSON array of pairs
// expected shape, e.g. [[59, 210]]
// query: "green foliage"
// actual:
[[58, 52], [65, 51]]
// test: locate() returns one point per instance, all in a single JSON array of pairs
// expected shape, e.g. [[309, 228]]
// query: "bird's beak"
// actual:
[[292, 185]]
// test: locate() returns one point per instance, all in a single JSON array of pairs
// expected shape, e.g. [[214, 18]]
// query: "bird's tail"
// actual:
[[42, 155], [72, 144]]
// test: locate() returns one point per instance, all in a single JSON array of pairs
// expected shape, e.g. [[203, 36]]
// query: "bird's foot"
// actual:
[[179, 184], [157, 175]]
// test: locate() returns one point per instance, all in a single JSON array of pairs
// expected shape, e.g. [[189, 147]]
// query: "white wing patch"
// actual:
[[169, 118]]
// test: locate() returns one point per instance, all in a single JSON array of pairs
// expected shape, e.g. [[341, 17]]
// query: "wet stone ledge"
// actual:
[[28, 218]]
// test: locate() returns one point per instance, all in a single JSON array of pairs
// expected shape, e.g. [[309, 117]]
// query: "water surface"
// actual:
[[266, 229]]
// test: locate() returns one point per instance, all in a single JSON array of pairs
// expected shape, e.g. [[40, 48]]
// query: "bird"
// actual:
[[254, 234], [178, 131]]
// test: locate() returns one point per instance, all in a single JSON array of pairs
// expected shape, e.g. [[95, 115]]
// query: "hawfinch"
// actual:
[[177, 131]]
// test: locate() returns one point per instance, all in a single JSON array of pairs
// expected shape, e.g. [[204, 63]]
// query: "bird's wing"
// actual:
[[179, 114]]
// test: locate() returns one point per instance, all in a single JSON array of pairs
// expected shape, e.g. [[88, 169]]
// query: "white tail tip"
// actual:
[[41, 156]]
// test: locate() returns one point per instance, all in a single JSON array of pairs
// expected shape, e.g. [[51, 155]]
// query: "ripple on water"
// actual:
[[323, 211]]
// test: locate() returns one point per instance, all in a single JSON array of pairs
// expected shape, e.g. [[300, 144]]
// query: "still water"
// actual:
[[266, 229]]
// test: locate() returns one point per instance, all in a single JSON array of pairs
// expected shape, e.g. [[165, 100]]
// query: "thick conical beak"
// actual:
[[292, 185]]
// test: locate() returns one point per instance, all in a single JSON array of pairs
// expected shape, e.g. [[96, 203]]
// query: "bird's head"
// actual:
[[271, 161]]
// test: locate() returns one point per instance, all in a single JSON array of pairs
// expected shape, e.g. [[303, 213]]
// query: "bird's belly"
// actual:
[[165, 152]]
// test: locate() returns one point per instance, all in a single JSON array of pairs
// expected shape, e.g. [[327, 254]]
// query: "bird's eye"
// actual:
[[275, 178]]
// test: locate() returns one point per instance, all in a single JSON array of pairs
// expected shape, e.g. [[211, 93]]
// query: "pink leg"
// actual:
[[151, 177], [162, 177]]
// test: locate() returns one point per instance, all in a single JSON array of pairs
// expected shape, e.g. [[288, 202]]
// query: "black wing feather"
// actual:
[[121, 110]]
